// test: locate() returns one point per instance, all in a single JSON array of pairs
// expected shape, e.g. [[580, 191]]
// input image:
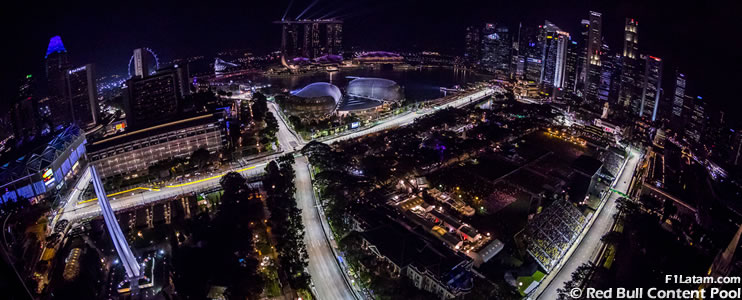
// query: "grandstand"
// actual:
[[549, 234]]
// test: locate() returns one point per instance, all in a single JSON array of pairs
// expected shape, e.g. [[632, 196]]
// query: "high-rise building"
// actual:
[[593, 63], [497, 46], [697, 121], [571, 72], [23, 113], [631, 39], [57, 64], [629, 91], [650, 88], [531, 48], [155, 99], [582, 54], [472, 47], [607, 90], [141, 67], [554, 56], [83, 95], [677, 101]]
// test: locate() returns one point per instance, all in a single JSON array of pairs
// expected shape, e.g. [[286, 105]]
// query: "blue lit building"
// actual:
[[41, 172]]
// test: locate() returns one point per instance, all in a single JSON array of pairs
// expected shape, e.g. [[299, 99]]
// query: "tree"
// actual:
[[200, 158], [612, 238], [259, 106]]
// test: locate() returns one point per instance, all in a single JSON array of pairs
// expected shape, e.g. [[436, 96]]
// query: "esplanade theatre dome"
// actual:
[[315, 101], [375, 89]]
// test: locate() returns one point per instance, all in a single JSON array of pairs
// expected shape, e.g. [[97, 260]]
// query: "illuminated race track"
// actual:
[[590, 245], [328, 277]]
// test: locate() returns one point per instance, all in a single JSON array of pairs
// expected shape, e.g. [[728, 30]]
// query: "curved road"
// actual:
[[329, 280]]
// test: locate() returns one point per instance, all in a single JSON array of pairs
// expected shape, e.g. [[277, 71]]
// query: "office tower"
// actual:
[[554, 56], [593, 63], [630, 65], [83, 95], [497, 48], [582, 54], [472, 42], [531, 48], [696, 121], [631, 39], [607, 87], [650, 99], [677, 101], [156, 98], [57, 64], [571, 71]]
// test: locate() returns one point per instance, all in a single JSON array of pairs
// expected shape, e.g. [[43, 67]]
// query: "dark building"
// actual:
[[83, 95], [472, 41], [57, 64], [497, 46], [24, 113], [593, 63], [312, 32], [156, 98], [582, 181], [697, 121], [531, 49]]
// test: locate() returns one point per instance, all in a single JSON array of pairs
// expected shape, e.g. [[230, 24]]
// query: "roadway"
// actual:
[[329, 280], [587, 250]]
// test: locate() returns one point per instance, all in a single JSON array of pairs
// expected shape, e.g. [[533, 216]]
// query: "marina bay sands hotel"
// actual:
[[319, 37]]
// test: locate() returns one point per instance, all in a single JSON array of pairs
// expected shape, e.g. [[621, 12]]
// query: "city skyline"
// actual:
[[676, 33], [325, 149]]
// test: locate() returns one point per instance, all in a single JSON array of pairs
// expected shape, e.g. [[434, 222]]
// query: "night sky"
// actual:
[[699, 37]]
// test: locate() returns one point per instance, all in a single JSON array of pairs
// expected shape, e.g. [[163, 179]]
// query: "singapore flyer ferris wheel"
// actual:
[[149, 58]]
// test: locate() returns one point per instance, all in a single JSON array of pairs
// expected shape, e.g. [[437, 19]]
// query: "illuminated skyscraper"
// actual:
[[82, 94], [571, 71], [677, 101], [57, 64], [651, 88], [554, 56], [631, 39], [629, 81], [593, 63]]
